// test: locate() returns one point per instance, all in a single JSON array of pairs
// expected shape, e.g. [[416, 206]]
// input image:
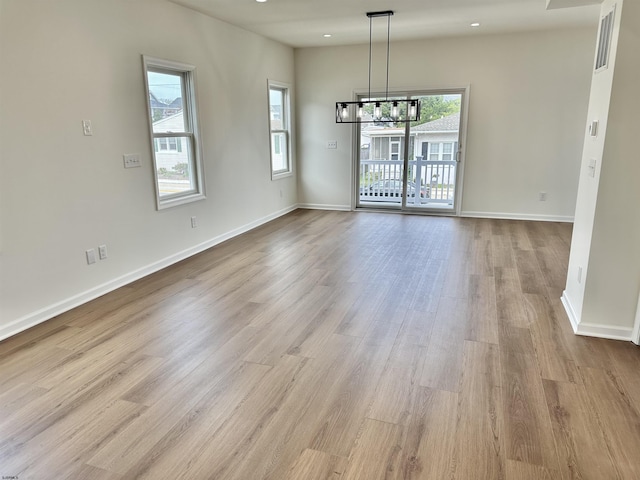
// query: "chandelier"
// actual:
[[378, 111]]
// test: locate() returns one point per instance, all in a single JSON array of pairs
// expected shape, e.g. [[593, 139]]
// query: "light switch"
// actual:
[[87, 129], [131, 160], [593, 128]]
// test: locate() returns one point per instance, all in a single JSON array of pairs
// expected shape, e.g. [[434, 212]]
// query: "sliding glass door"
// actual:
[[413, 166]]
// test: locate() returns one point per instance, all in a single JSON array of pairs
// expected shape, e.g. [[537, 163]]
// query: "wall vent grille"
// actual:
[[604, 40]]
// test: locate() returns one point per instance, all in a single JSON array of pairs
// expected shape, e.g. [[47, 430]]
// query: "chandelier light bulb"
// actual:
[[345, 111], [377, 111], [413, 109], [360, 110], [394, 110]]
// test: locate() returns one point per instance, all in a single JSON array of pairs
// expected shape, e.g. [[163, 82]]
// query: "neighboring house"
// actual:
[[434, 141], [437, 140], [170, 151], [161, 109]]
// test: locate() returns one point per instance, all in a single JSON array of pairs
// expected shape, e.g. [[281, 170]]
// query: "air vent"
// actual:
[[604, 40]]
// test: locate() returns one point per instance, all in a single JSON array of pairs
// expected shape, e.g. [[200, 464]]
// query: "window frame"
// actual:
[[285, 88], [193, 146], [437, 152], [440, 153]]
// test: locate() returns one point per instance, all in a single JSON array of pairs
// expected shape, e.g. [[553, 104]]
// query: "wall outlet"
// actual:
[[131, 160], [194, 222], [591, 169], [542, 196], [332, 145], [91, 256], [102, 252]]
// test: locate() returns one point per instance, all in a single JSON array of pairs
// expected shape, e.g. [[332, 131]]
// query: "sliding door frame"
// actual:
[[412, 92]]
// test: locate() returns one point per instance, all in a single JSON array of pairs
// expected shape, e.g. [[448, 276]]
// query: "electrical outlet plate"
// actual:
[[332, 145], [194, 222], [87, 129], [102, 252], [91, 256], [132, 160]]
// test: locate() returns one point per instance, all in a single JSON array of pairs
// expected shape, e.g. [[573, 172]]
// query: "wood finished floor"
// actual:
[[329, 345]]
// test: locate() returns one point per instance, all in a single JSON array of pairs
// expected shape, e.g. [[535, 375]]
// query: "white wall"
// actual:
[[607, 229], [528, 104], [62, 193]]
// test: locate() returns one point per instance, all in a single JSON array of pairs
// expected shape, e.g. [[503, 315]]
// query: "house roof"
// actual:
[[155, 103], [177, 103], [450, 123], [173, 123]]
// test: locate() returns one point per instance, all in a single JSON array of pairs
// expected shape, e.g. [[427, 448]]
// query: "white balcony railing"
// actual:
[[430, 182]]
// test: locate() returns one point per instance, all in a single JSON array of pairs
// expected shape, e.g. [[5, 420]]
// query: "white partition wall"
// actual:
[[603, 280]]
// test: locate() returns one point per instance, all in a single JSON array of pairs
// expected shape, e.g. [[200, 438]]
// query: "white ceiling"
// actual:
[[302, 23]]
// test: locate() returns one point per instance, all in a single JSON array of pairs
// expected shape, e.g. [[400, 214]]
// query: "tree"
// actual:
[[434, 107]]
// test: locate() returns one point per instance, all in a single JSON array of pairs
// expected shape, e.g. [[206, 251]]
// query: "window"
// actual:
[[447, 154], [394, 144], [169, 144], [173, 125], [280, 130], [434, 152], [440, 151]]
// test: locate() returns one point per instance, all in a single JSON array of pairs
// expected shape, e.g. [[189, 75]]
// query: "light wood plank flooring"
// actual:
[[329, 345]]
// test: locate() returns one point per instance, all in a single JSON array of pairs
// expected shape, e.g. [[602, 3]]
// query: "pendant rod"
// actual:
[[372, 15], [388, 48], [370, 48]]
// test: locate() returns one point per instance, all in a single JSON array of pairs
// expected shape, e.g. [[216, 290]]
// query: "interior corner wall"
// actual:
[[62, 193], [529, 94]]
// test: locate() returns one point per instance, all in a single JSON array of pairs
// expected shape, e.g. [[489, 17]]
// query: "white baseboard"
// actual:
[[573, 318], [594, 330], [44, 314], [319, 206], [501, 216], [518, 216]]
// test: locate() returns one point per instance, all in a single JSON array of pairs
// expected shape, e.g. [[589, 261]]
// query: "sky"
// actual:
[[165, 86]]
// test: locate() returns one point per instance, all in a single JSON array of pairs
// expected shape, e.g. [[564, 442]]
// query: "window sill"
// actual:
[[173, 202], [278, 176]]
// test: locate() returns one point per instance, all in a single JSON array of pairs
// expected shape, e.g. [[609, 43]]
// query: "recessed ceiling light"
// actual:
[[475, 24], [327, 35], [261, 1]]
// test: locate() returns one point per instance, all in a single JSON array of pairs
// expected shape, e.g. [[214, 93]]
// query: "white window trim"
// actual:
[[191, 119], [287, 114]]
